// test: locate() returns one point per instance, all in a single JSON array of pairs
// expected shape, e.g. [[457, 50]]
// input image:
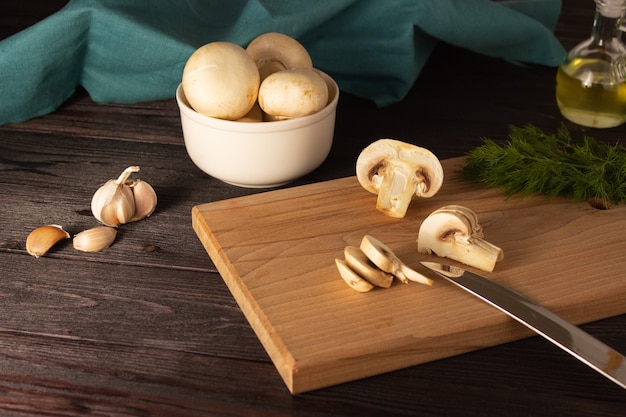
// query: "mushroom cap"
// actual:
[[275, 51], [441, 229], [221, 80], [382, 154], [293, 93], [464, 214]]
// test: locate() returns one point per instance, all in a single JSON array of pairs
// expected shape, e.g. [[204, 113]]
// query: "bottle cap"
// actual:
[[611, 8]]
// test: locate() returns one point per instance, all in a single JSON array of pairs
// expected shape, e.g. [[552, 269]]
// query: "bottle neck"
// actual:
[[607, 24]]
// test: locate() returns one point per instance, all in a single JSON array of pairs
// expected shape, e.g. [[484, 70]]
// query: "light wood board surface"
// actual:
[[276, 251]]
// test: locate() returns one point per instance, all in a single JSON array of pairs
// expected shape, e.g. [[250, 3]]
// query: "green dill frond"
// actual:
[[533, 162]]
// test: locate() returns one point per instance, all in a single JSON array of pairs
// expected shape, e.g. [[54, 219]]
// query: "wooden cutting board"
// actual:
[[276, 253]]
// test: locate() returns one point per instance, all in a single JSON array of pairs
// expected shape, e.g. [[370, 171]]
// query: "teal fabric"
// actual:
[[128, 51]]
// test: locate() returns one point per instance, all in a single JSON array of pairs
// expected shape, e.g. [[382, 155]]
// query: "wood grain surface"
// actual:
[[276, 253]]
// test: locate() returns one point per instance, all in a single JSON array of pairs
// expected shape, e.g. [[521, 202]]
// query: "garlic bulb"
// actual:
[[122, 200], [113, 203]]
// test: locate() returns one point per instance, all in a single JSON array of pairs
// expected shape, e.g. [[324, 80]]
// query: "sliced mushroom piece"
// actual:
[[274, 52], [360, 263], [383, 257], [454, 232], [293, 93], [398, 171], [354, 280]]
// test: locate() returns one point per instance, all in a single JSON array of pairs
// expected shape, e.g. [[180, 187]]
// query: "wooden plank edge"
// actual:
[[275, 348]]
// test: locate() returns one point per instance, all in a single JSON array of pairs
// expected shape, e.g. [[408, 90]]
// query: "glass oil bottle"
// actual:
[[591, 80]]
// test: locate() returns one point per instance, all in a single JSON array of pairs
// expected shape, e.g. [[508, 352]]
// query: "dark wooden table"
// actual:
[[149, 328]]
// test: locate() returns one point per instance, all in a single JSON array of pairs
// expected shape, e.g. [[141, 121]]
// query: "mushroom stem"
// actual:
[[397, 189], [476, 252]]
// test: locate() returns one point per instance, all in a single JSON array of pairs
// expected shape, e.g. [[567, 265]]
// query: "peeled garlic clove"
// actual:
[[113, 203], [145, 199], [95, 239], [40, 240]]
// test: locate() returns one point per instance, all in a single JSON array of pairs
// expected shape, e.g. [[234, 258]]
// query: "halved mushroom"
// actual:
[[454, 232], [398, 171], [274, 52], [292, 93], [221, 80]]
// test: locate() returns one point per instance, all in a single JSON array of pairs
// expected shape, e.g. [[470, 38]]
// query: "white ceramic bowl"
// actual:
[[259, 155]]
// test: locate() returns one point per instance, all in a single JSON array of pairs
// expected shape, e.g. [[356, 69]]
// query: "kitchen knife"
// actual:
[[567, 336]]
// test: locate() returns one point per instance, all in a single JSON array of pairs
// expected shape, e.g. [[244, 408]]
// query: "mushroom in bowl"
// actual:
[[259, 117], [221, 80], [292, 93], [259, 155], [273, 52]]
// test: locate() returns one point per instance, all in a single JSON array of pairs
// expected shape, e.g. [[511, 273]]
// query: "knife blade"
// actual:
[[557, 330]]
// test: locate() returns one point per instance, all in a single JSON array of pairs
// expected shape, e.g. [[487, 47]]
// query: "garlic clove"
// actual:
[[145, 199], [95, 239], [113, 203], [40, 240]]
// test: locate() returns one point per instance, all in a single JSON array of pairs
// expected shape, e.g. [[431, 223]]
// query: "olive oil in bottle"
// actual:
[[591, 80]]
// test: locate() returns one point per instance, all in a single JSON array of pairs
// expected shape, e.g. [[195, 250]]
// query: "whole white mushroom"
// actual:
[[274, 52], [293, 93], [221, 80]]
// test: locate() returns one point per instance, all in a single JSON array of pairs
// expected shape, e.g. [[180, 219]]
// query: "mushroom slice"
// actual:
[[354, 280], [382, 256], [293, 93], [454, 232], [398, 171], [274, 52], [360, 263]]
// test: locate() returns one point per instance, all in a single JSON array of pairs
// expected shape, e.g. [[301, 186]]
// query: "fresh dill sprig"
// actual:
[[533, 162]]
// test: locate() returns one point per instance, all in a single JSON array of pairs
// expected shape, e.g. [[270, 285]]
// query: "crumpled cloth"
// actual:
[[127, 51]]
